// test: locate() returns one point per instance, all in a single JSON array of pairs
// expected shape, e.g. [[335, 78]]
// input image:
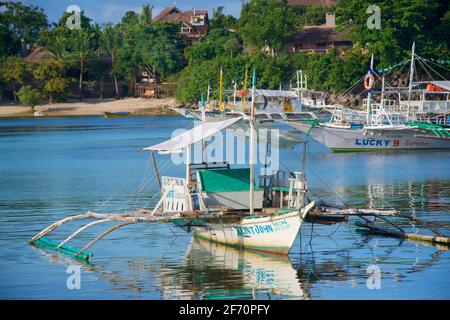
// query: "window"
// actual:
[[276, 116], [298, 116], [186, 30]]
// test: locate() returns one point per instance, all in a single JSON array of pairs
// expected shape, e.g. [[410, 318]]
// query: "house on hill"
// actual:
[[39, 54], [320, 39], [194, 23]]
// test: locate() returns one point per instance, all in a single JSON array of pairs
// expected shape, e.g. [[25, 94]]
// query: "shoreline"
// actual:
[[93, 107]]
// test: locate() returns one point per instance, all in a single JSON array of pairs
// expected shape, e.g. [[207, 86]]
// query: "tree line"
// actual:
[[83, 61]]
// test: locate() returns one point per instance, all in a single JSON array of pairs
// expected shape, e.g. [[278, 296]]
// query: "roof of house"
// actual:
[[39, 54], [316, 34], [175, 15]]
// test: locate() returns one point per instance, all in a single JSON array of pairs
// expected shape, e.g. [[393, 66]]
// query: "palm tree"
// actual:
[[110, 42], [146, 15], [82, 49]]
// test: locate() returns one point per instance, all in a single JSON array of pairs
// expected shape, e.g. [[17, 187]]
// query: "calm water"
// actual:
[[52, 168]]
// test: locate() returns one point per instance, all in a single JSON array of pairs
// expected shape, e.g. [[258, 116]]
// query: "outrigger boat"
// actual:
[[217, 202], [269, 105], [387, 125]]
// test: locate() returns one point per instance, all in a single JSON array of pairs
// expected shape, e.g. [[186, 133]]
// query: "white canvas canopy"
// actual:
[[275, 93], [196, 134]]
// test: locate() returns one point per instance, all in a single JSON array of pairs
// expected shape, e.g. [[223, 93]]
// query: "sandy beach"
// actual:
[[92, 107]]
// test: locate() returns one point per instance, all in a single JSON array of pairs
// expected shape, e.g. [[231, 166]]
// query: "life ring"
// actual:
[[368, 81]]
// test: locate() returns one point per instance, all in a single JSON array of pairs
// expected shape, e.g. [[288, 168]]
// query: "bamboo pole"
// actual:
[[244, 96], [409, 236], [60, 223], [117, 226], [220, 90], [156, 171], [73, 235]]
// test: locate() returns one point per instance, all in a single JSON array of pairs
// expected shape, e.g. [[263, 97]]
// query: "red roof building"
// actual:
[[194, 23]]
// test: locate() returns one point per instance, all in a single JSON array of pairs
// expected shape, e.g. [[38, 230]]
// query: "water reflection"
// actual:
[[214, 271]]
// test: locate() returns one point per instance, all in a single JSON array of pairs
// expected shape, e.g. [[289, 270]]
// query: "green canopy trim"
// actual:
[[230, 180]]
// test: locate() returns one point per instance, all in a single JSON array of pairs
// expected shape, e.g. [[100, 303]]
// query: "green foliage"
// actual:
[[51, 75], [402, 22], [221, 21], [156, 46], [266, 22], [312, 16], [16, 69], [30, 97], [146, 15], [19, 23]]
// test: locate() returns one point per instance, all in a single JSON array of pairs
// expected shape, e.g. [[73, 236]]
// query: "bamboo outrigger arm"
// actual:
[[126, 218], [409, 236], [104, 233], [73, 235]]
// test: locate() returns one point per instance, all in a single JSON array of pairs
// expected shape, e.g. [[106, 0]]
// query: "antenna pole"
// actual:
[[369, 120], [411, 78], [252, 144], [220, 90]]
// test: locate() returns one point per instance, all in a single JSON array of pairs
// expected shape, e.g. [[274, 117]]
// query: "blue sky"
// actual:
[[112, 10]]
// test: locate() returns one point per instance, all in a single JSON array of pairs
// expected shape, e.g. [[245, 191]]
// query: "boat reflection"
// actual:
[[214, 271]]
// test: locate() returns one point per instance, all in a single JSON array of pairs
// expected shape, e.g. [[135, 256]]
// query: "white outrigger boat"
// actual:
[[217, 202], [269, 105], [387, 125], [225, 203], [266, 218]]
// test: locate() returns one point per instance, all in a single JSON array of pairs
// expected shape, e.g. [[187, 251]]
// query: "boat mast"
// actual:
[[382, 101], [203, 109], [302, 84], [207, 94], [411, 77], [369, 120], [244, 95], [304, 174], [252, 143], [220, 90], [234, 94]]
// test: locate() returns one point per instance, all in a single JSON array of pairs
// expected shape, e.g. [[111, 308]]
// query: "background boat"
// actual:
[[116, 114]]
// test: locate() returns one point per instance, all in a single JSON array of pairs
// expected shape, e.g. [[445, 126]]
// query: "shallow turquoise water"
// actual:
[[54, 167]]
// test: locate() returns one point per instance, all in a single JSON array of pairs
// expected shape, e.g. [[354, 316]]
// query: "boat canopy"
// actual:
[[274, 93], [196, 134], [442, 84]]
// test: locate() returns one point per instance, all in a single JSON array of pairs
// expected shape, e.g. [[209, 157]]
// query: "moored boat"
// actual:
[[387, 124], [116, 114]]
